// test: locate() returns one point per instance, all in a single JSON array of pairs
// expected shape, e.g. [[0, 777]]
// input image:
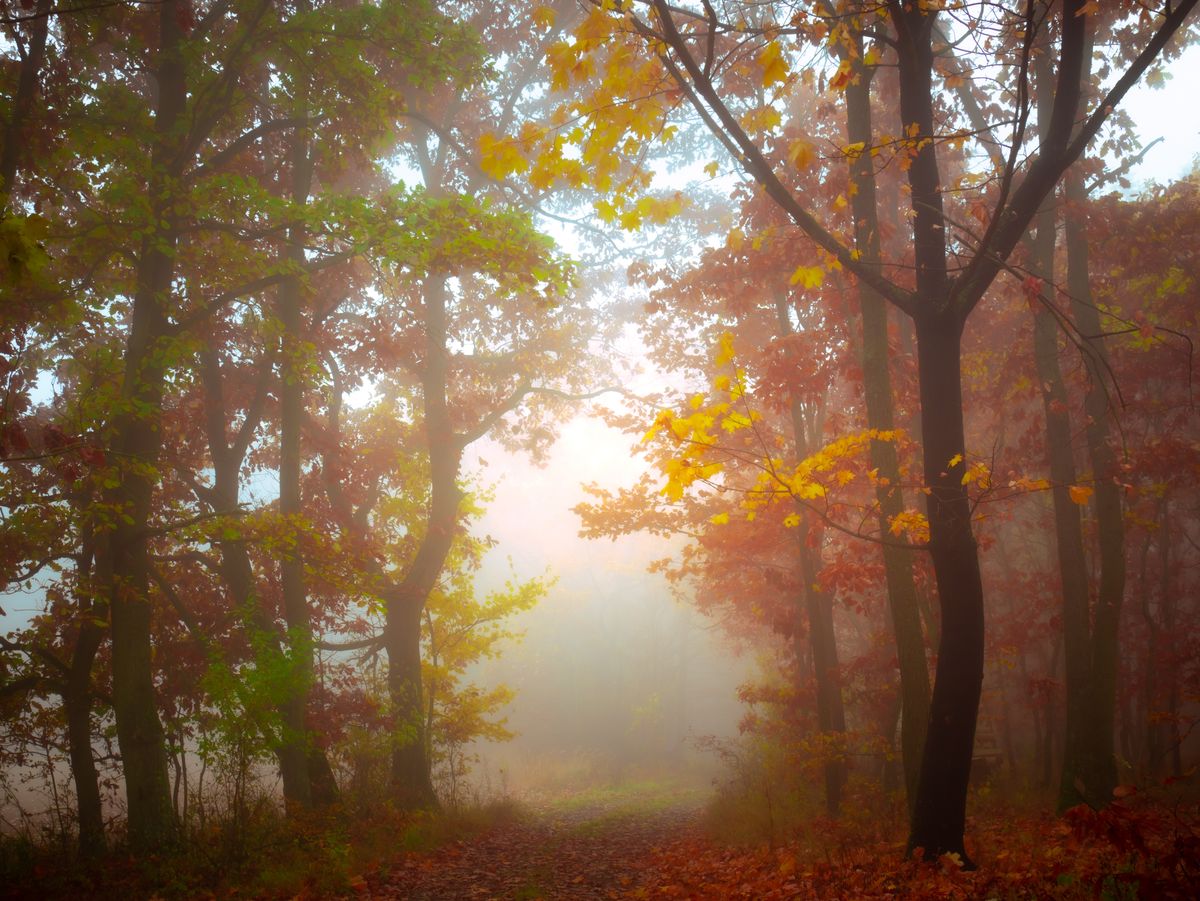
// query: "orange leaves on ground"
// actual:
[[1123, 851]]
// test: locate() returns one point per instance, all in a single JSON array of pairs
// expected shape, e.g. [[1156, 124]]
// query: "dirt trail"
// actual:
[[590, 849]]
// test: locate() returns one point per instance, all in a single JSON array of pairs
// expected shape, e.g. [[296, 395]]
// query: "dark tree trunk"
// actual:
[[411, 785], [296, 741], [77, 701], [123, 564], [27, 89], [1068, 524], [939, 817], [877, 386], [297, 762]]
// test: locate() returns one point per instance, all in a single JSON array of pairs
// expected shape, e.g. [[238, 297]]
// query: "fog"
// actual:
[[616, 675]]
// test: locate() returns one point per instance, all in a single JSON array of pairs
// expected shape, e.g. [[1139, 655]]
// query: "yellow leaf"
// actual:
[[774, 67], [724, 348], [808, 276], [1080, 494], [499, 158], [791, 521], [544, 16], [762, 118], [855, 150], [712, 169], [954, 461], [801, 154], [720, 519], [735, 239], [735, 421]]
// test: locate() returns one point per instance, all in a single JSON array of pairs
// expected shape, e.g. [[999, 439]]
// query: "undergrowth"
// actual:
[[313, 855]]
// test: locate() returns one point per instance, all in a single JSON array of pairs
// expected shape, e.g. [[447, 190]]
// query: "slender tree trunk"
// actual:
[[1097, 770], [877, 386], [831, 711], [410, 777], [77, 701], [939, 814], [296, 741], [237, 571], [1173, 735], [123, 564]]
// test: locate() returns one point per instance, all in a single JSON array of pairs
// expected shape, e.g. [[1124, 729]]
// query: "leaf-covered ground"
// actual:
[[598, 845], [655, 841], [615, 848]]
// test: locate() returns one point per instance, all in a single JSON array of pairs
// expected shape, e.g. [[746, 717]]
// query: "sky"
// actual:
[[1171, 112]]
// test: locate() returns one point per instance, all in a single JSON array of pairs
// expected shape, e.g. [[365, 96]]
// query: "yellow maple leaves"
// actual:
[[801, 154], [499, 156], [774, 66], [808, 277]]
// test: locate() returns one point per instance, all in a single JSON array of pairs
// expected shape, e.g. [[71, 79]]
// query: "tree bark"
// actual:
[[296, 740], [77, 701], [123, 564], [27, 88], [1097, 769], [831, 711], [903, 603], [411, 783], [939, 817]]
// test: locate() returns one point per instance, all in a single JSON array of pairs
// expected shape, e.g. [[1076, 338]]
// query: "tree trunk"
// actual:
[[295, 743], [123, 563], [77, 701], [831, 711], [939, 817], [411, 783], [27, 88], [877, 386], [1097, 770]]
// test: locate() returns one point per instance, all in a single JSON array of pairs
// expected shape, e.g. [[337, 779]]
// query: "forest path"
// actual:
[[598, 845]]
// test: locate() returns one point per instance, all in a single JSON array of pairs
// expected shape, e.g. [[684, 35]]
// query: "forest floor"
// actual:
[[656, 841], [595, 845], [660, 840]]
